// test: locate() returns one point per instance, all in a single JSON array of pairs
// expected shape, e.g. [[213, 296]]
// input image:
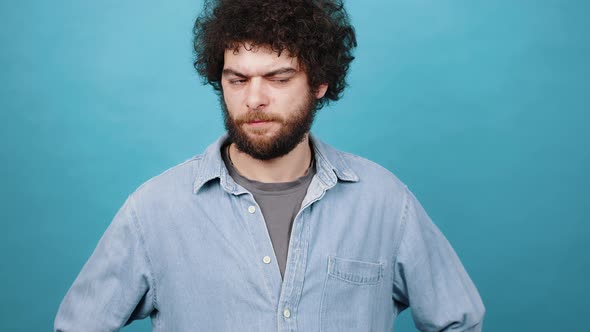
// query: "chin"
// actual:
[[261, 134], [261, 139]]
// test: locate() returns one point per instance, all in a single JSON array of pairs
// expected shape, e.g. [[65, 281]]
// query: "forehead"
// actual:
[[257, 60]]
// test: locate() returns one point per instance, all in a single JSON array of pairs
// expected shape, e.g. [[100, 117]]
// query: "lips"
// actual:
[[253, 122], [257, 119]]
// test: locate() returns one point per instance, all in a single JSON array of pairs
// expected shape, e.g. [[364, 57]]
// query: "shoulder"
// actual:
[[172, 184], [368, 170], [371, 177], [378, 188]]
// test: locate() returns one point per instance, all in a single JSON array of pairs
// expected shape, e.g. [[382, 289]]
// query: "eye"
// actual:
[[280, 80], [237, 81]]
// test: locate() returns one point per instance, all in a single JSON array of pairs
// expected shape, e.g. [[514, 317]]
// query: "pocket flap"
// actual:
[[353, 271]]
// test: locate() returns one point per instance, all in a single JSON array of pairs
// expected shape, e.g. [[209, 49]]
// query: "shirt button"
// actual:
[[251, 209], [287, 313], [266, 259]]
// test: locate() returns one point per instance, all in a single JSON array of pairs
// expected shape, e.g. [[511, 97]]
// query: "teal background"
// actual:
[[480, 107]]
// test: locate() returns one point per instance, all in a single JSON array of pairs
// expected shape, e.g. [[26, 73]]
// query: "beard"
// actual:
[[264, 147]]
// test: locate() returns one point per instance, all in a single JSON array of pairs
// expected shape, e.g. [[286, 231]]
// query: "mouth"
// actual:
[[258, 122]]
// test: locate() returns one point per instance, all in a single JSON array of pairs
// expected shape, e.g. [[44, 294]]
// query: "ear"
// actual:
[[321, 90]]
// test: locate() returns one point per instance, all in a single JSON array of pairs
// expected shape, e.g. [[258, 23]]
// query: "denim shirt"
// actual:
[[190, 249]]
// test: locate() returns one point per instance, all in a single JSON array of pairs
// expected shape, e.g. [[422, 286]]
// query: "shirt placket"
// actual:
[[292, 286], [265, 256]]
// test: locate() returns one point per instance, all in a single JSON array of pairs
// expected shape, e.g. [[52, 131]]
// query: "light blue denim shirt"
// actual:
[[190, 249]]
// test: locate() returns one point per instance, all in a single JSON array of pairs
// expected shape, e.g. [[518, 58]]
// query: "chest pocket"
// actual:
[[350, 294]]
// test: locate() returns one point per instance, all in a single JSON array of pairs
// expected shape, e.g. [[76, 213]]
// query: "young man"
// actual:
[[271, 229]]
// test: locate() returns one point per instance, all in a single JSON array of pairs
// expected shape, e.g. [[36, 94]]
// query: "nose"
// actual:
[[256, 97]]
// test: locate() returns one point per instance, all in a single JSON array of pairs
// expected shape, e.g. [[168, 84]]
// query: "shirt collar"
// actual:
[[330, 166]]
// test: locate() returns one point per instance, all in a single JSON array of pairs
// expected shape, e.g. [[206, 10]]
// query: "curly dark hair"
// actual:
[[317, 32]]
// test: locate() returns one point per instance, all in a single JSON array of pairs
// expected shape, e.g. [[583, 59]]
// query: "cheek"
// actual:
[[231, 98], [296, 95], [291, 91]]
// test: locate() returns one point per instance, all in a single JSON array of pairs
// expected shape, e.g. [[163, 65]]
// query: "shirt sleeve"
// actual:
[[115, 285], [430, 279]]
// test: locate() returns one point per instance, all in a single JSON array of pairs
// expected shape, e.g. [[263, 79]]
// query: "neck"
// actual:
[[286, 168]]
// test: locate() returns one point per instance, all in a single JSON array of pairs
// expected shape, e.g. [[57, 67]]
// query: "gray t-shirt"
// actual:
[[279, 203]]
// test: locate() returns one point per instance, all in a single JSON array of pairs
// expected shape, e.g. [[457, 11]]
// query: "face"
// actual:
[[267, 102]]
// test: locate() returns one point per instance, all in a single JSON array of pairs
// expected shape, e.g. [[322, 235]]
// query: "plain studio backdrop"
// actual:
[[480, 107]]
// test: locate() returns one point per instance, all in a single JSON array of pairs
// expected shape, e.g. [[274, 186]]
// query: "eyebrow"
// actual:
[[280, 71]]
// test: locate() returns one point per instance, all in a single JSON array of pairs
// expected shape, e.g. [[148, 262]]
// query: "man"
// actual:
[[271, 229]]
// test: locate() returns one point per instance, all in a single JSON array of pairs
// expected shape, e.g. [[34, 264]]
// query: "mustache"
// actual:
[[257, 116]]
